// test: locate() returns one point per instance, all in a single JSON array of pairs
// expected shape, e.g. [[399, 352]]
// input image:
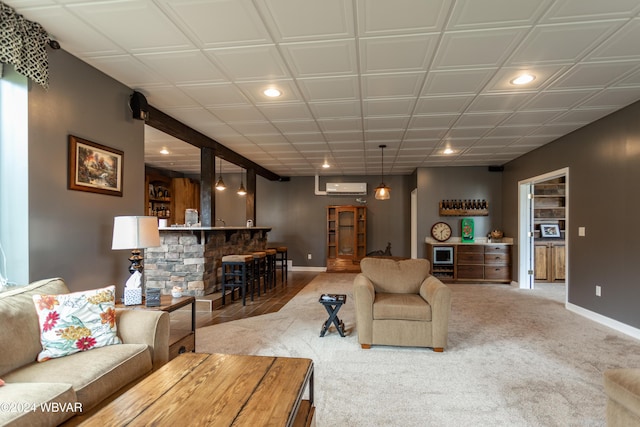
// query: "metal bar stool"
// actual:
[[281, 259], [236, 273], [271, 266], [260, 269]]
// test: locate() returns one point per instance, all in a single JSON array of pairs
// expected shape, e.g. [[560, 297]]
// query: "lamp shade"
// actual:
[[135, 232]]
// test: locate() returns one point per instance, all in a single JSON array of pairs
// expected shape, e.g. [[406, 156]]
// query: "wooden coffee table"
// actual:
[[217, 390]]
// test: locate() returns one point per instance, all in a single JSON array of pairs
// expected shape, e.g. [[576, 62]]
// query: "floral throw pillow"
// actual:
[[75, 322]]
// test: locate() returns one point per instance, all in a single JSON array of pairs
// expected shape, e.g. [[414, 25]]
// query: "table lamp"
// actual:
[[135, 233]]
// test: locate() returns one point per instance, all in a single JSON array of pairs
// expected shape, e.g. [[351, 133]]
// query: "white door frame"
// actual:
[[525, 252], [414, 223]]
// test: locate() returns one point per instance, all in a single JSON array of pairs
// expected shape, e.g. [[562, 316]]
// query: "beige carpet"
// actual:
[[515, 358]]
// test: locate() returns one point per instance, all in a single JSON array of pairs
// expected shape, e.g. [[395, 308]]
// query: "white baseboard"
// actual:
[[305, 268], [603, 320]]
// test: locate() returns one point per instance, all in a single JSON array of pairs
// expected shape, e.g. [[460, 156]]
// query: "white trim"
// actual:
[[603, 320], [306, 268]]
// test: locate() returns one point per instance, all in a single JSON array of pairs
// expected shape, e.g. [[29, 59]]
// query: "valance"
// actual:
[[23, 44]]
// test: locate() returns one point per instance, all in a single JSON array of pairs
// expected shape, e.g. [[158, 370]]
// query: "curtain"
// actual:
[[23, 44]]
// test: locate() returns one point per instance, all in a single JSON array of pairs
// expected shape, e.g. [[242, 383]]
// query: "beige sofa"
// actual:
[[48, 393], [623, 391], [399, 303]]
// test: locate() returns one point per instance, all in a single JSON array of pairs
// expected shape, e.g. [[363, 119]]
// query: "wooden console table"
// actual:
[[217, 390]]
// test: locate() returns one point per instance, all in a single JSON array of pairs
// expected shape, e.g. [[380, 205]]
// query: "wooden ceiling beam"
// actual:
[[167, 124]]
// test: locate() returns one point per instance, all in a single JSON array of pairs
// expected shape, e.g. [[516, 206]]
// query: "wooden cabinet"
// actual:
[[186, 195], [168, 198], [478, 262], [346, 235], [549, 261]]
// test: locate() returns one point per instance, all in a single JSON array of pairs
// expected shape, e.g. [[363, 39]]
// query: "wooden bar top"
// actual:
[[215, 390]]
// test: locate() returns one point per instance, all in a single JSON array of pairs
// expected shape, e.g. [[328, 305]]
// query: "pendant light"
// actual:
[[241, 190], [220, 183], [382, 191]]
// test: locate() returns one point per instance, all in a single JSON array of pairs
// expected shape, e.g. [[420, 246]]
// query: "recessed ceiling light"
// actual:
[[326, 165], [523, 79], [164, 151], [272, 92], [448, 151]]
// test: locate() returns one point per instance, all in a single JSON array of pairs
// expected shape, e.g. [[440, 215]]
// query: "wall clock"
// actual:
[[441, 231]]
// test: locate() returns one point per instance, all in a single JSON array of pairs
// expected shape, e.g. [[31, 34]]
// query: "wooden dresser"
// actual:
[[474, 262]]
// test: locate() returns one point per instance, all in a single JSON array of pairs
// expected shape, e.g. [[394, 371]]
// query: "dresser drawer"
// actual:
[[501, 249], [497, 273], [496, 258], [475, 272], [470, 249], [470, 258]]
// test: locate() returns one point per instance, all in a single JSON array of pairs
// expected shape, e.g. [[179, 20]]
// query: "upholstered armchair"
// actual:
[[399, 303]]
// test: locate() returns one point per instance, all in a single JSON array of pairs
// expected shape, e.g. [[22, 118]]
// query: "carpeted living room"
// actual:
[[514, 357]]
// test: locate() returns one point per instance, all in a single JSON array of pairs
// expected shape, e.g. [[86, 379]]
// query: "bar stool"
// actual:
[[281, 258], [236, 273], [260, 269], [271, 266]]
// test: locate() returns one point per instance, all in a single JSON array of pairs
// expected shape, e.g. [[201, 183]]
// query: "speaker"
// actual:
[[139, 106], [496, 168]]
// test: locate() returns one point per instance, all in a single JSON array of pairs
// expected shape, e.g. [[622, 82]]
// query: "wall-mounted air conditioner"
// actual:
[[347, 188]]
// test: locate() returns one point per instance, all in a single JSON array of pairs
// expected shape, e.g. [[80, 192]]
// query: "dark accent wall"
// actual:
[[604, 182], [70, 231], [436, 184], [298, 216]]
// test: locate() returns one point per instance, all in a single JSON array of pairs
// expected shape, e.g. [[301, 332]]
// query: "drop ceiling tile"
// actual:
[[433, 121], [457, 82], [254, 128], [127, 70], [255, 92], [417, 16], [555, 100], [317, 59], [215, 95], [412, 147], [495, 13], [442, 104], [481, 48], [297, 126], [266, 139], [386, 123], [237, 113], [218, 23], [92, 42], [333, 125], [498, 102], [533, 141], [293, 20], [622, 45], [168, 96], [388, 107], [183, 67], [286, 111], [569, 41], [512, 131], [397, 53], [461, 132], [331, 110], [304, 137], [588, 10], [378, 136], [426, 134], [351, 136], [481, 119], [136, 25], [613, 97], [250, 63], [532, 117], [557, 129], [345, 147], [584, 115], [391, 86], [330, 89], [191, 115], [594, 75]]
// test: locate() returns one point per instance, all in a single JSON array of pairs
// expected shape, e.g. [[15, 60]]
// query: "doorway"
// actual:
[[543, 218]]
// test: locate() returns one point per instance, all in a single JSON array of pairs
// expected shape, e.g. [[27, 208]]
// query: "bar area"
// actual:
[[191, 257]]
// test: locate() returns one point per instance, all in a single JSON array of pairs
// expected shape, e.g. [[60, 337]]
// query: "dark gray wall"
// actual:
[[298, 216], [445, 183], [604, 181], [70, 231]]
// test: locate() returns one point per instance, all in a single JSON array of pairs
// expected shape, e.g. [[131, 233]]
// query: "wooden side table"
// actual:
[[180, 341]]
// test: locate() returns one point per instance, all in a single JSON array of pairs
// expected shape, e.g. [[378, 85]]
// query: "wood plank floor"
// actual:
[[270, 302]]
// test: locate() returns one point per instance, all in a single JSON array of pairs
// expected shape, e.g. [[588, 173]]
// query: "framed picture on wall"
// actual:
[[549, 230], [94, 167]]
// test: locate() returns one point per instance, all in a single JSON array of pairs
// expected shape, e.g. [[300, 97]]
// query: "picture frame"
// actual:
[[550, 230], [94, 167]]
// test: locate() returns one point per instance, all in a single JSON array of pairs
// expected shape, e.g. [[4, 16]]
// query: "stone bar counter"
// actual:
[[191, 257]]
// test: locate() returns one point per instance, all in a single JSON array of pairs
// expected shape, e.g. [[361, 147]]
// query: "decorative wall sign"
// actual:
[[94, 167]]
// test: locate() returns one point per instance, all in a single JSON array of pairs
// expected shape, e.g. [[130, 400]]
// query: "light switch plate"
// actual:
[[582, 231]]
